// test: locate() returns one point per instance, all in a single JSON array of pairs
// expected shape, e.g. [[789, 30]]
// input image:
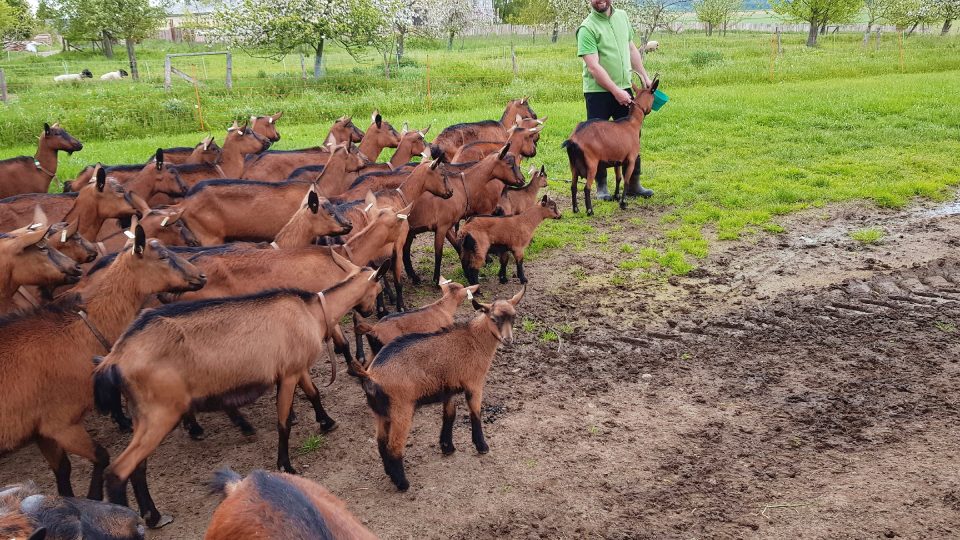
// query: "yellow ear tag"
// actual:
[[63, 236], [369, 206], [129, 234], [164, 222], [274, 245]]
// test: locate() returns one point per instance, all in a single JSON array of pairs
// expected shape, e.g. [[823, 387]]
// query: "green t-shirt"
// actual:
[[609, 38]]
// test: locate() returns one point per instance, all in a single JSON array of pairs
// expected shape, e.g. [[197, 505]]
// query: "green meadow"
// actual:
[[738, 144]]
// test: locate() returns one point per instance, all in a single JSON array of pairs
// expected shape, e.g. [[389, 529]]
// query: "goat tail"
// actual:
[[361, 370], [107, 385], [363, 327], [224, 482], [578, 162]]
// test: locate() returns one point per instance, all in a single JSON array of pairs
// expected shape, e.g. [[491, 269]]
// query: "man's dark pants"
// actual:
[[603, 106]]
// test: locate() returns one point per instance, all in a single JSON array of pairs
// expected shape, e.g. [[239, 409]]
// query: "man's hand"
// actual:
[[622, 97]]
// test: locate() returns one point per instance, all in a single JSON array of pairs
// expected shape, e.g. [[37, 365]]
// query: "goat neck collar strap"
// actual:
[[51, 174], [220, 170], [466, 194], [349, 252], [323, 304], [274, 245], [402, 196], [93, 330], [28, 297]]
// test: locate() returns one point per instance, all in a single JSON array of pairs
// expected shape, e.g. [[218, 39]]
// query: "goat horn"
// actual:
[[331, 356]]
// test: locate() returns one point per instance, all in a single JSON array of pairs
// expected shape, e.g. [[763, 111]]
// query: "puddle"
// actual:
[[949, 209]]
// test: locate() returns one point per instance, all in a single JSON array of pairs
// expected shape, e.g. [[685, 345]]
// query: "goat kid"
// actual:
[[501, 235], [419, 369]]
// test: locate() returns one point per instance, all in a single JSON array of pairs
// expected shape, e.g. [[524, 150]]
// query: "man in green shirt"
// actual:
[[605, 43]]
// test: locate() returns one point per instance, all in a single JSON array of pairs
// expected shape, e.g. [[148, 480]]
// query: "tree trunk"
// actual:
[[812, 34], [107, 45], [400, 46], [556, 33], [866, 35], [914, 27], [132, 54], [823, 28], [318, 60], [946, 27], [450, 41], [709, 28]]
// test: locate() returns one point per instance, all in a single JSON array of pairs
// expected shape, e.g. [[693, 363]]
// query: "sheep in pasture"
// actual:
[[70, 77], [114, 75]]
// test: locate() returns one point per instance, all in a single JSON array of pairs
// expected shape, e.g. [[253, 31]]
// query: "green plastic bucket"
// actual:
[[659, 99]]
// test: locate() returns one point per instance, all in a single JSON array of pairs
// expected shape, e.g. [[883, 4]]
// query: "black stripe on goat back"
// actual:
[[196, 252], [125, 168], [28, 196], [183, 309], [298, 511], [55, 311], [472, 125], [375, 174], [194, 167], [200, 186], [397, 346], [25, 159], [102, 263]]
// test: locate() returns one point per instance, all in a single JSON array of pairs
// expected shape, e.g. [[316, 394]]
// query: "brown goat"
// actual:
[[430, 318], [502, 235], [523, 143], [33, 175], [614, 142], [344, 130], [163, 223], [266, 126], [26, 258], [65, 238], [206, 151], [284, 164], [102, 199], [178, 358], [65, 518], [454, 137], [471, 195], [47, 381], [515, 200], [418, 369], [279, 505], [378, 136], [218, 210]]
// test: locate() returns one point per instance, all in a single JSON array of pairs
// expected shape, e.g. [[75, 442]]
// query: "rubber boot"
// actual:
[[601, 181], [633, 187]]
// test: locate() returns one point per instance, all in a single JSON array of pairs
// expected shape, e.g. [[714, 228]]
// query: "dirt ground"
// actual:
[[795, 385]]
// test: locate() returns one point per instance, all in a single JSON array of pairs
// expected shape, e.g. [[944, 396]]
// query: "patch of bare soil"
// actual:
[[797, 385]]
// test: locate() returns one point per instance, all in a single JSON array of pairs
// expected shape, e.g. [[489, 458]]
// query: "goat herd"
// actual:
[[179, 286]]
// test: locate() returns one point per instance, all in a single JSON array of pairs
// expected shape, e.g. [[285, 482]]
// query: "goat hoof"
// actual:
[[447, 449], [287, 468], [161, 521], [483, 449], [523, 281], [248, 431], [124, 424], [503, 279], [590, 212], [623, 205], [402, 485], [196, 433], [328, 426]]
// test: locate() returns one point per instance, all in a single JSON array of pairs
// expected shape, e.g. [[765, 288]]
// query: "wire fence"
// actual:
[[477, 76]]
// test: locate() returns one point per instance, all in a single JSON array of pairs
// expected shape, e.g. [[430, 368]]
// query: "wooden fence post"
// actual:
[[167, 83], [3, 86], [513, 55], [229, 71], [900, 42], [428, 83], [303, 68], [779, 42]]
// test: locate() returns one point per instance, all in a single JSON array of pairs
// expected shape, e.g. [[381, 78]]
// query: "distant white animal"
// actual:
[[651, 46], [85, 74], [114, 75]]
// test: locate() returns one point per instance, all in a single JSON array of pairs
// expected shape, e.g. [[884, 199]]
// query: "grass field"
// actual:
[[731, 151]]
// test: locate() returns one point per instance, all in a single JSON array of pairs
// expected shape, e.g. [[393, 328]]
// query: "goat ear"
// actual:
[[533, 169], [72, 228], [543, 200], [313, 201], [503, 152], [342, 261], [518, 120], [543, 170], [159, 158], [39, 534], [101, 179], [46, 128], [434, 164], [426, 154], [276, 116], [516, 298], [234, 126], [653, 87], [139, 240], [524, 100], [30, 236], [541, 121], [330, 141], [406, 211], [253, 119], [480, 307], [473, 290], [378, 120], [424, 131]]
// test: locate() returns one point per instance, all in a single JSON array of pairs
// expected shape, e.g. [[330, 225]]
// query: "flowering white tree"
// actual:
[[909, 14], [949, 11], [449, 18], [274, 28]]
